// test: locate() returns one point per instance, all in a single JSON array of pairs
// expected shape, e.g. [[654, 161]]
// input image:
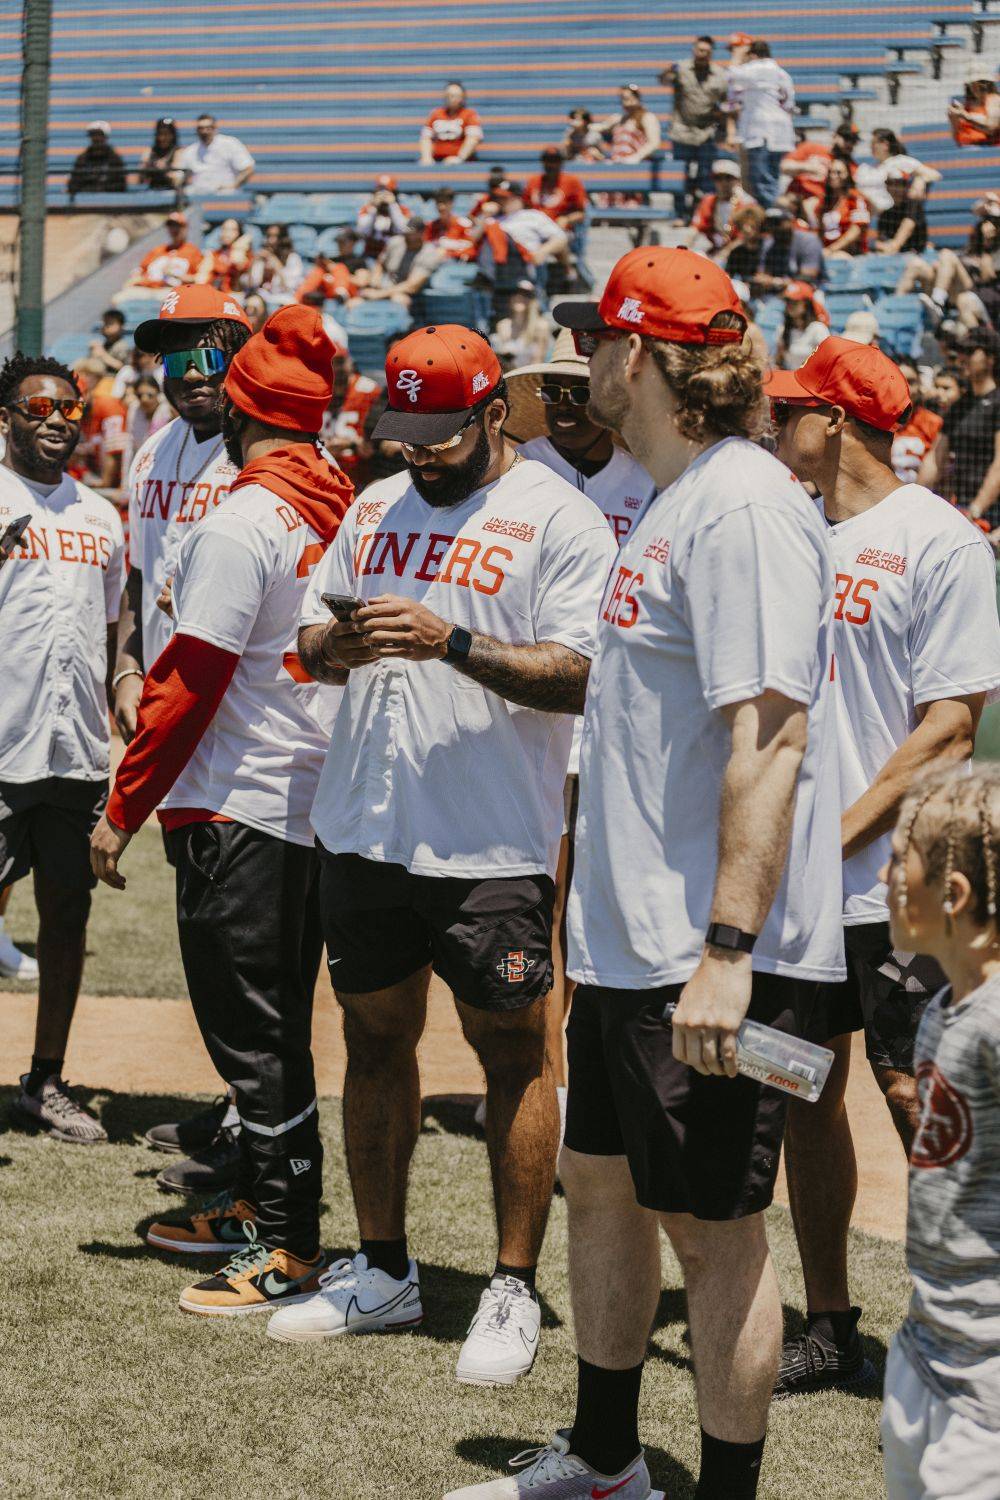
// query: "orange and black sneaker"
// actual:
[[256, 1279], [217, 1227]]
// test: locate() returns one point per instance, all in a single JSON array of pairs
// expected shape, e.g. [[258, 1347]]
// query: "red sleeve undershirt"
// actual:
[[182, 693]]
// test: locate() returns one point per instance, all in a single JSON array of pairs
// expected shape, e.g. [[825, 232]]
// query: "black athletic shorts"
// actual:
[[489, 940], [697, 1145], [46, 825], [884, 995]]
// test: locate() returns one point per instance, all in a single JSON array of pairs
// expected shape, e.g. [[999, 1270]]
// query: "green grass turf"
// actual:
[[132, 935], [109, 1390]]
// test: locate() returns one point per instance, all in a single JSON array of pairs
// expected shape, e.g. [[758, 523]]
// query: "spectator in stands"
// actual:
[[634, 133], [448, 232], [583, 140], [806, 325], [404, 267], [871, 179], [790, 253], [350, 256], [523, 336], [355, 406], [713, 218], [226, 265], [948, 287], [738, 46], [331, 280], [743, 251], [215, 163], [556, 192], [912, 443], [451, 134], [753, 333], [903, 225], [975, 119], [382, 216], [862, 327], [277, 268], [538, 237], [982, 256], [699, 88], [761, 104], [256, 310], [160, 169], [111, 350], [841, 216], [102, 432], [313, 294], [146, 414], [970, 438], [98, 168], [805, 168], [497, 174], [174, 263], [947, 391], [135, 367]]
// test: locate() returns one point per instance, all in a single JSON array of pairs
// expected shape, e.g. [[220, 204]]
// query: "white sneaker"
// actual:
[[554, 1473], [13, 963], [353, 1298], [502, 1340]]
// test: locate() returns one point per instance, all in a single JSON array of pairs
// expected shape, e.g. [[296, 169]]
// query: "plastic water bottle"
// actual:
[[778, 1060]]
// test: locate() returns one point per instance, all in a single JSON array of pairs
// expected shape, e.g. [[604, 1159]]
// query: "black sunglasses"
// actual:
[[554, 395]]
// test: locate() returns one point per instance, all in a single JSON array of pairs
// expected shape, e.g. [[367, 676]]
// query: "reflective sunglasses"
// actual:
[[451, 442], [210, 361], [586, 340], [553, 395], [40, 408]]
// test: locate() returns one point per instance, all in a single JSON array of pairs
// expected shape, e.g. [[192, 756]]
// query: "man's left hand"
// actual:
[[165, 598], [405, 628], [713, 1004], [107, 845]]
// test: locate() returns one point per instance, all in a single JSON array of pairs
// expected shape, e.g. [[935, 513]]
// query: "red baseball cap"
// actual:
[[434, 376], [283, 376], [188, 304], [663, 292], [739, 39], [862, 380]]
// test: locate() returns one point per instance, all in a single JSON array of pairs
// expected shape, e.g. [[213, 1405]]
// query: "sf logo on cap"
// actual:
[[170, 302], [630, 311], [409, 382], [479, 383]]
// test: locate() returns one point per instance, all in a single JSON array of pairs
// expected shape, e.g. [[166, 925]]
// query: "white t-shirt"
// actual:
[[215, 167], [530, 228], [59, 592], [174, 483], [426, 768], [721, 591], [915, 620], [869, 179], [802, 342], [765, 96], [621, 489], [240, 582]]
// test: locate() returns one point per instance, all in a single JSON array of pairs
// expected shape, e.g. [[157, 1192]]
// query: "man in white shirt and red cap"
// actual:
[[230, 742]]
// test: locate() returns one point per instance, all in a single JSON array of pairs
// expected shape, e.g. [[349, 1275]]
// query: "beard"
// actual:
[[233, 423], [457, 482], [608, 407]]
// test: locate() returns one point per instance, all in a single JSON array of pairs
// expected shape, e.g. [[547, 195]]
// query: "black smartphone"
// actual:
[[11, 535], [341, 606]]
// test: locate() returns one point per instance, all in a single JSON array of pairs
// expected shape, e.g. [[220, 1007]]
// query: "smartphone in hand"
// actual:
[[341, 606], [11, 535]]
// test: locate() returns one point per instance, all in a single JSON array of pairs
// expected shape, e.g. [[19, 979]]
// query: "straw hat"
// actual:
[[526, 419]]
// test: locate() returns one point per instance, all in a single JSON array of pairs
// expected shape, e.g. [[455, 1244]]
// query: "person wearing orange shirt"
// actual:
[[975, 121], [102, 431], [350, 418], [557, 193], [332, 278], [451, 134], [448, 232], [841, 216], [714, 215], [173, 264], [911, 443]]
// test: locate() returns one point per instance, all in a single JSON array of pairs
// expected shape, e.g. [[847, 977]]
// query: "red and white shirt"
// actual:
[[174, 483], [169, 265], [452, 237], [448, 131], [915, 620], [59, 592], [426, 768], [912, 443], [714, 216], [832, 223], [569, 196]]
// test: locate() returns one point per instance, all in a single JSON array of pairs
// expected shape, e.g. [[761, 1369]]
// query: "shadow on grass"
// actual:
[[450, 1298], [453, 1114], [493, 1454]]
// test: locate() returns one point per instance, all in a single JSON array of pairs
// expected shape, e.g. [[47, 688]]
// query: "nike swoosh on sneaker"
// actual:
[[380, 1307], [597, 1494], [276, 1286]]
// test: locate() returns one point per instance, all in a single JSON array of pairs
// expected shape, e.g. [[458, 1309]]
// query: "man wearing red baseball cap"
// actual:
[[917, 654], [464, 593], [232, 734], [706, 878], [177, 478]]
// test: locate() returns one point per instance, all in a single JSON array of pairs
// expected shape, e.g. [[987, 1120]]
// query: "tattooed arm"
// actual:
[[316, 655]]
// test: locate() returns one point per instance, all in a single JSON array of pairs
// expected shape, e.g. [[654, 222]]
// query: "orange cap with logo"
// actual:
[[434, 377], [841, 372], [188, 304], [664, 293]]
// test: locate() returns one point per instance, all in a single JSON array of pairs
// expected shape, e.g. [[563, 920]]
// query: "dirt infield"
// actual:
[[152, 1046]]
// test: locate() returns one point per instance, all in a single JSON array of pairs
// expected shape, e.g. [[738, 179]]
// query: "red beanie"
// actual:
[[283, 376]]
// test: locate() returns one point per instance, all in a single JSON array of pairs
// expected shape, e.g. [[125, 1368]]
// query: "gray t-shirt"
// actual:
[[398, 260], [952, 1330], [696, 102]]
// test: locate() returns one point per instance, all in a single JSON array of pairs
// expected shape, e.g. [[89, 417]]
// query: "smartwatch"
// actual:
[[459, 645], [720, 935]]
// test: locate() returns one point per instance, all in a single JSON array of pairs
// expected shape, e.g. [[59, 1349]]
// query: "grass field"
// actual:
[[110, 1390]]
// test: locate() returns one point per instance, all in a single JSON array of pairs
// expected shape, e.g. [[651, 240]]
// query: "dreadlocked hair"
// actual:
[[19, 366], [719, 388], [952, 819], [229, 335]]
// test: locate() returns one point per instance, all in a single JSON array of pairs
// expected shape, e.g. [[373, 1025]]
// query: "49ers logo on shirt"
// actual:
[[514, 966], [460, 560], [944, 1134]]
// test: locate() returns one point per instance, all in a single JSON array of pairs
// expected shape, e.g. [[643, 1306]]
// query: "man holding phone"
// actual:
[[440, 811], [60, 588]]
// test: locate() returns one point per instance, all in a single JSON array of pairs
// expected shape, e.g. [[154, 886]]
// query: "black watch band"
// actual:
[[720, 935], [459, 644]]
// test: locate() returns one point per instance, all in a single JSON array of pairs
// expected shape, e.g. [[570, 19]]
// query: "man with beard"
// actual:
[[59, 593], [440, 810], [231, 739], [178, 477]]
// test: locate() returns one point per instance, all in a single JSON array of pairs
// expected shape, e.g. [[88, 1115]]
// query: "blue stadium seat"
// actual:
[[71, 347], [303, 238], [901, 324], [375, 318], [849, 275]]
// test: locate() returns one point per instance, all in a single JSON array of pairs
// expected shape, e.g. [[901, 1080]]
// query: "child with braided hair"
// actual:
[[941, 1419]]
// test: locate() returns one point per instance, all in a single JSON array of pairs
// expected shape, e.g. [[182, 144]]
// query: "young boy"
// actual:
[[941, 1419]]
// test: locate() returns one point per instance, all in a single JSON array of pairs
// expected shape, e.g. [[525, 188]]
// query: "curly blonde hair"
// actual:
[[719, 388], [952, 818]]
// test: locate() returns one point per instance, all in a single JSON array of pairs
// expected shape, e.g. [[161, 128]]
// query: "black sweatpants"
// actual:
[[251, 942]]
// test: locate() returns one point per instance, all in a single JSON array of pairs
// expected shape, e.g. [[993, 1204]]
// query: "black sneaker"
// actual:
[[206, 1172], [190, 1135], [812, 1362]]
